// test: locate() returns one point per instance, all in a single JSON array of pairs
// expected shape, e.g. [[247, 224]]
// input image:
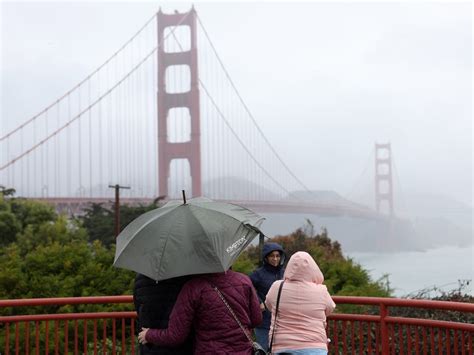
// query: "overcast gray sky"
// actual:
[[324, 80]]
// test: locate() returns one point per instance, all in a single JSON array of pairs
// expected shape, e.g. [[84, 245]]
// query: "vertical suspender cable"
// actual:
[[135, 93], [80, 143], [44, 158], [56, 153], [90, 140], [127, 147], [9, 175], [144, 153], [109, 113], [116, 121], [101, 147], [155, 109], [68, 150]]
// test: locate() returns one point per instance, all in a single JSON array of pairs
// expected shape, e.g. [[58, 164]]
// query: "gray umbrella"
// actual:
[[197, 237]]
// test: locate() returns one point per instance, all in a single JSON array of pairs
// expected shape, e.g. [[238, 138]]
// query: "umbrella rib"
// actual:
[[143, 226], [163, 252], [234, 218], [202, 227]]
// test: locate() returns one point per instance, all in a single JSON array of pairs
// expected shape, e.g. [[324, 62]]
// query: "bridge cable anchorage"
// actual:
[[24, 124], [248, 110], [235, 133], [68, 123]]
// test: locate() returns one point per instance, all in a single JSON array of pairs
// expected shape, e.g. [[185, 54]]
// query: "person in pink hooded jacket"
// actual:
[[300, 327]]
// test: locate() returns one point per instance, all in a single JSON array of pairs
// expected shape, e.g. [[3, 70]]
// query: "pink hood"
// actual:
[[302, 267]]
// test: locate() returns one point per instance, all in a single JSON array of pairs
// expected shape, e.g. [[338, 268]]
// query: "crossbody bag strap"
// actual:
[[276, 315], [233, 314]]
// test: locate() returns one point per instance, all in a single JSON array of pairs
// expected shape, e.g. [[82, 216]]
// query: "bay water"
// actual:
[[412, 271]]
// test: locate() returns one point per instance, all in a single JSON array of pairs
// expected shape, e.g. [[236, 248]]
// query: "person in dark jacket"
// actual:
[[215, 329], [153, 304], [272, 269]]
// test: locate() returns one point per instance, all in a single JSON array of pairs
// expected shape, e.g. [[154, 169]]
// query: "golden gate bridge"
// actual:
[[159, 116]]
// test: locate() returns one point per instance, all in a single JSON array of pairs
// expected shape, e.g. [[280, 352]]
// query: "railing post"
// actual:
[[384, 329]]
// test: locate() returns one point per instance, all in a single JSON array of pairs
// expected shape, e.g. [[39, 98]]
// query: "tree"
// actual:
[[99, 221], [51, 256], [16, 214], [32, 213], [9, 227], [57, 260], [5, 192]]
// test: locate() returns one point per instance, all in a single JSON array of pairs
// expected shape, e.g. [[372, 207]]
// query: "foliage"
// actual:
[[17, 214], [458, 294], [52, 257], [99, 221], [244, 263], [32, 213], [6, 192], [342, 276], [9, 227]]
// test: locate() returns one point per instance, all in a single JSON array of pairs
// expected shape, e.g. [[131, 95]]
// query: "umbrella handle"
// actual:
[[184, 197]]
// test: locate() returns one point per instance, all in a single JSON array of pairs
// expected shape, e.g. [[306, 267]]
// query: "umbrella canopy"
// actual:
[[197, 237]]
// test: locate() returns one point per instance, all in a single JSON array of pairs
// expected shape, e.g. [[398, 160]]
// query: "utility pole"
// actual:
[[117, 188], [261, 242]]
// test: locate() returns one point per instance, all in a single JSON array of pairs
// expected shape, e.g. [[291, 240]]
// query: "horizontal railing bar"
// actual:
[[374, 301], [354, 317], [431, 323], [67, 316], [65, 301], [402, 302]]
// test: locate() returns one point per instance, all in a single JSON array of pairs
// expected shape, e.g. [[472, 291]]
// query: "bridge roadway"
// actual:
[[76, 206]]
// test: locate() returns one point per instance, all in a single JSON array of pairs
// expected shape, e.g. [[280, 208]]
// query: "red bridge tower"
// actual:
[[383, 177], [191, 149]]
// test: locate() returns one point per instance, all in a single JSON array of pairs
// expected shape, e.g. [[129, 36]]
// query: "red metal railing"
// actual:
[[374, 331], [90, 332], [366, 328]]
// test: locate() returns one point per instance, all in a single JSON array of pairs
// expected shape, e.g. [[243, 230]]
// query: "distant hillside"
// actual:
[[324, 196], [235, 188]]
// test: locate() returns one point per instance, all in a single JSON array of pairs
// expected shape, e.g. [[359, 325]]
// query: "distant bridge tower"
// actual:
[[383, 178], [191, 149]]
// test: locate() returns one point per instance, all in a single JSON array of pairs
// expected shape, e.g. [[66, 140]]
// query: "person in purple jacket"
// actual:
[[200, 308]]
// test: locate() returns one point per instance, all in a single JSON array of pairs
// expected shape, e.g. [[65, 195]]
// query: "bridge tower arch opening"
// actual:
[[169, 100]]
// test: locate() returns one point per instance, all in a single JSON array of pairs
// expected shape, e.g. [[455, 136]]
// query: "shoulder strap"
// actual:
[[276, 314], [233, 314]]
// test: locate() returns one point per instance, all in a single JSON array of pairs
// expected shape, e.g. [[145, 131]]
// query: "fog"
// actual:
[[325, 81]]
